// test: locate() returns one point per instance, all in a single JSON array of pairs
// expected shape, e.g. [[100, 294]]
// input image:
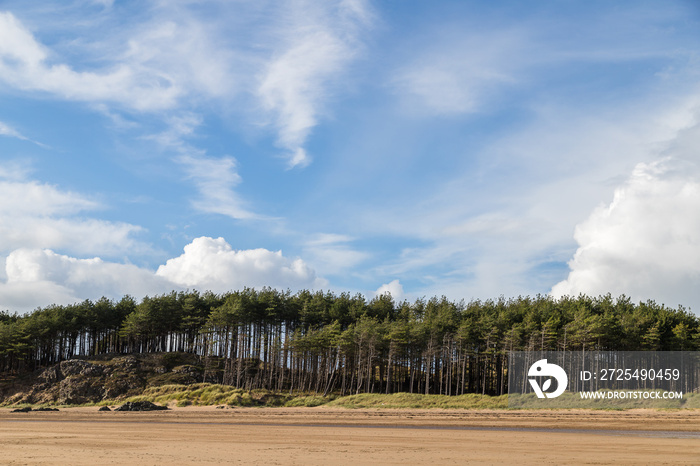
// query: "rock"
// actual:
[[78, 381], [26, 409], [79, 367], [105, 408], [140, 406], [50, 375], [127, 363], [78, 390]]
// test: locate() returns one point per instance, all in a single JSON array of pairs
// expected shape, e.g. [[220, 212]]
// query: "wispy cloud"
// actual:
[[6, 130], [462, 74], [25, 65], [175, 56], [215, 179], [467, 67], [36, 214], [11, 132], [313, 50], [333, 254]]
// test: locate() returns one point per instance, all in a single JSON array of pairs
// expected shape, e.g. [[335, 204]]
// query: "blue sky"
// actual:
[[461, 148]]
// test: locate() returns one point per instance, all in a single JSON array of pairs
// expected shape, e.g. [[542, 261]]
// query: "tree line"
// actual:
[[325, 342]]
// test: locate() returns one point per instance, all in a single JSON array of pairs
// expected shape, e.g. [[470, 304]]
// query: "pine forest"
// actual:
[[324, 342]]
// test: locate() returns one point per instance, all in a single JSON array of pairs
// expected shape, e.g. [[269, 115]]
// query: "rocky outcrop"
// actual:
[[140, 406], [27, 409], [78, 381]]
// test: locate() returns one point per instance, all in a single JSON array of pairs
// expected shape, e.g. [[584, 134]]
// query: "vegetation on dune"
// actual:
[[206, 394], [420, 401], [325, 344]]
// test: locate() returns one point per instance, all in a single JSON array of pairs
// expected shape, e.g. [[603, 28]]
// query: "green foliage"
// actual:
[[321, 343]]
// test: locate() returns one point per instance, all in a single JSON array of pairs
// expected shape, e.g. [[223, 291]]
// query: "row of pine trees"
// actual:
[[324, 342]]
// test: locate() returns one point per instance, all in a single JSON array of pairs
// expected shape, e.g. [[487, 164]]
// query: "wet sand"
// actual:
[[342, 436]]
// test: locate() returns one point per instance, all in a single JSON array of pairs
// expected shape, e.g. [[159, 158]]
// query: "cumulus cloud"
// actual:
[[213, 264], [38, 277], [394, 288], [646, 242]]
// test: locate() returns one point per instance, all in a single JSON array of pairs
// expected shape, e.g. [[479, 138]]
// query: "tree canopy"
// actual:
[[326, 342]]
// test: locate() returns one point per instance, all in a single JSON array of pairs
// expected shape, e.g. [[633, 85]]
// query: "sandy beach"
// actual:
[[207, 435]]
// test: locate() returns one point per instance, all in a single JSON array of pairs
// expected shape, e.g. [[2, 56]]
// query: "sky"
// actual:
[[465, 149]]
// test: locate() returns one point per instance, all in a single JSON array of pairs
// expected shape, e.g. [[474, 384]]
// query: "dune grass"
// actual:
[[205, 394], [418, 401]]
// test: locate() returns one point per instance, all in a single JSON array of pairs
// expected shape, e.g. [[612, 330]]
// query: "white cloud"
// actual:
[[6, 130], [646, 242], [13, 170], [84, 236], [179, 127], [288, 57], [174, 56], [458, 73], [332, 254], [324, 239], [37, 215], [215, 180], [36, 277], [394, 288], [312, 50], [471, 64], [39, 277], [451, 87], [25, 64], [513, 234], [212, 264], [11, 132], [33, 198], [189, 53]]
